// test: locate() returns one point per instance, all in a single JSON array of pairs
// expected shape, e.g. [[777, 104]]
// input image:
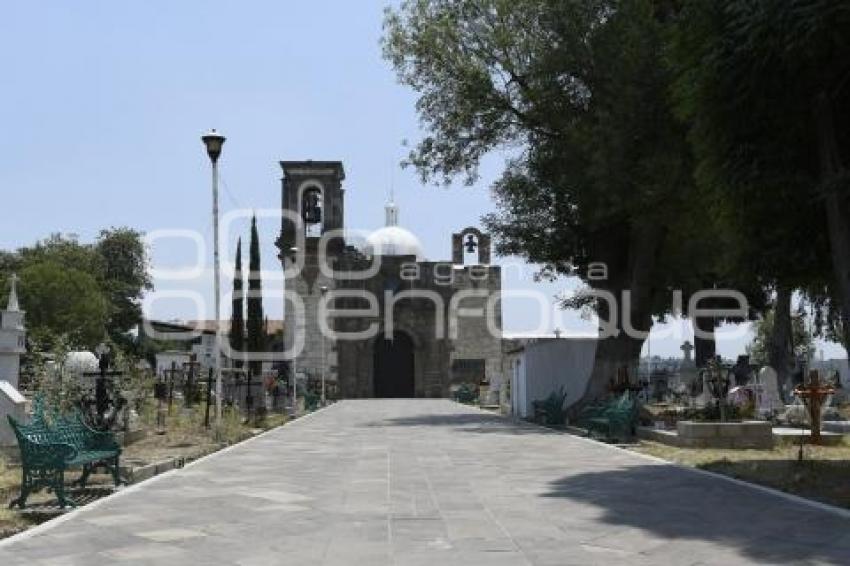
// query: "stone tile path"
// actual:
[[430, 482]]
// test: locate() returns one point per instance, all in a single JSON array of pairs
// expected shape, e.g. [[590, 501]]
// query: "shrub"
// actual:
[[552, 407], [465, 394]]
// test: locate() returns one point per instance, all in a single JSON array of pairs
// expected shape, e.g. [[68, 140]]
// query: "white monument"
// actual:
[[12, 337], [12, 345], [767, 391], [688, 372]]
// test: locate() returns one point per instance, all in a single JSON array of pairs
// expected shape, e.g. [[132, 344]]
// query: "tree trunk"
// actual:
[[779, 349], [624, 349], [612, 354], [704, 348], [837, 209]]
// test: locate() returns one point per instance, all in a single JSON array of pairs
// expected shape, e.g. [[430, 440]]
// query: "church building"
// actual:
[[396, 323]]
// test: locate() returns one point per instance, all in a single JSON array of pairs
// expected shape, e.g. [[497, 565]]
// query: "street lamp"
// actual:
[[324, 290], [213, 140]]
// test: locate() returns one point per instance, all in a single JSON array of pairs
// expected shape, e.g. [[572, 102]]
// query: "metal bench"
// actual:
[[48, 450], [612, 420]]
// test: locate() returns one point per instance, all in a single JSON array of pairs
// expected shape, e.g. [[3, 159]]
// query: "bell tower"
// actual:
[[312, 200], [312, 206]]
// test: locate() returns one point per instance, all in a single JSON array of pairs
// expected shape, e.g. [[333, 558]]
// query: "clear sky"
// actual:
[[102, 105]]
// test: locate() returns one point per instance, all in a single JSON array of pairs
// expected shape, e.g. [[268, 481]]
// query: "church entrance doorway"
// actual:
[[394, 366]]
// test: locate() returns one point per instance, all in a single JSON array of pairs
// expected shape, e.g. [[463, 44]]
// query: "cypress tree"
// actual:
[[237, 317], [256, 336]]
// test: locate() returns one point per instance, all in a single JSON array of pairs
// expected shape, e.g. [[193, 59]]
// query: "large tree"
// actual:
[[237, 316], [577, 90], [117, 264], [124, 277], [59, 300], [255, 323], [765, 87]]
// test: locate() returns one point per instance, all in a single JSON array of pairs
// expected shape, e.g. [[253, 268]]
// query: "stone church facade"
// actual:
[[397, 325]]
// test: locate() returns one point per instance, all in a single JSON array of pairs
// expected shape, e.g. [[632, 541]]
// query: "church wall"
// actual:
[[308, 288], [475, 346], [475, 340]]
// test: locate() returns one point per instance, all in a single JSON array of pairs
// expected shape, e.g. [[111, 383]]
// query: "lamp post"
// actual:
[[324, 290], [213, 141]]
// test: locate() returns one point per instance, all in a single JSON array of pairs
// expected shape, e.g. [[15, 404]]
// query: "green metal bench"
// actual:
[[611, 420], [48, 450]]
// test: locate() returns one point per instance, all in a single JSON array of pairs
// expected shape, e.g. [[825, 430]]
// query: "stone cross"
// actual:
[[13, 294], [687, 348]]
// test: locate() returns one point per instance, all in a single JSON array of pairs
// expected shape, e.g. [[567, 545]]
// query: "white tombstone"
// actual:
[[78, 363], [767, 392], [704, 399], [11, 403]]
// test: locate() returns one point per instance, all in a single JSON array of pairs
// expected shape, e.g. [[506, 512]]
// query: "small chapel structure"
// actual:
[[397, 324], [12, 347]]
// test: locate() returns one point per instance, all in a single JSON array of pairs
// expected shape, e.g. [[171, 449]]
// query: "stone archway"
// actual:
[[394, 366]]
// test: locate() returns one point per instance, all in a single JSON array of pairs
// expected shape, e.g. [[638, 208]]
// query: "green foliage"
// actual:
[[237, 318], [311, 400], [63, 301], [599, 171], [553, 408], [134, 382], [761, 85], [255, 321], [124, 276], [80, 290], [50, 379], [577, 94], [759, 348], [465, 393]]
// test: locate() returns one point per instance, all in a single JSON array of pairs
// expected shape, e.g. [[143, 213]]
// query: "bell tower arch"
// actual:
[[312, 199]]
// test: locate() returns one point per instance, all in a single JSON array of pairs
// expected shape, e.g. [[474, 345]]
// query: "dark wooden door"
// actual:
[[394, 366]]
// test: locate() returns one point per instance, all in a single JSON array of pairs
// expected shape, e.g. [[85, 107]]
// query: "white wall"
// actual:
[[11, 403], [164, 360], [546, 365]]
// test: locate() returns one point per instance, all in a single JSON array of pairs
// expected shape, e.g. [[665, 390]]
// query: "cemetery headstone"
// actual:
[[769, 399]]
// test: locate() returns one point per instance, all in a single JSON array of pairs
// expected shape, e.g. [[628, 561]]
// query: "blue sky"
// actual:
[[103, 103]]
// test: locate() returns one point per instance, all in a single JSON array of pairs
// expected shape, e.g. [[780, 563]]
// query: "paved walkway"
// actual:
[[429, 482]]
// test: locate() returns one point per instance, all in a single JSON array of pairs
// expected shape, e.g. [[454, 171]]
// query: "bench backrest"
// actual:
[[34, 432]]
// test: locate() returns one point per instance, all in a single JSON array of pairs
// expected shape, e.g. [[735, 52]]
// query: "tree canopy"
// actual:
[[578, 91], [83, 291], [765, 87], [62, 300]]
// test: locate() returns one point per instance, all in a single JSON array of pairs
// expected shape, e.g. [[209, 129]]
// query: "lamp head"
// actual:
[[213, 140]]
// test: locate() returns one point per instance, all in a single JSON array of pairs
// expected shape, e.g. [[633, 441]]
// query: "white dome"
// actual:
[[81, 362], [393, 241]]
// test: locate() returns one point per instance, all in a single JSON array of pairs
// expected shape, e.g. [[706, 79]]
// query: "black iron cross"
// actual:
[[188, 389]]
